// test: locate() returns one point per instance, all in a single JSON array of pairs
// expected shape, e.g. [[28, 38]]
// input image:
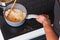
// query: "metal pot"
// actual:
[[3, 4], [21, 7]]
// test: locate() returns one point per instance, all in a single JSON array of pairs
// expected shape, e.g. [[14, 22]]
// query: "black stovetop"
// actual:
[[10, 32], [33, 7]]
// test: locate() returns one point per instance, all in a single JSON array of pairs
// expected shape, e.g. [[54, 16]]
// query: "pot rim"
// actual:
[[6, 2]]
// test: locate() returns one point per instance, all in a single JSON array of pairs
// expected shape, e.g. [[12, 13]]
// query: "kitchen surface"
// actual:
[[31, 29]]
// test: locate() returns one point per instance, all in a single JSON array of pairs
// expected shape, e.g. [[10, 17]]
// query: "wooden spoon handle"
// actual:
[[11, 7], [13, 4]]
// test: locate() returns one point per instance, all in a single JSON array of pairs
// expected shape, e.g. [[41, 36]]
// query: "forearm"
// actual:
[[50, 34]]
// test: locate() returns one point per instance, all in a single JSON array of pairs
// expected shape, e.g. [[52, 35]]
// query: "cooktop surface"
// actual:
[[10, 32], [33, 7]]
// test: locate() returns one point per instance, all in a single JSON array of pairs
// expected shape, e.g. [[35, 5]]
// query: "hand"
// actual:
[[43, 19]]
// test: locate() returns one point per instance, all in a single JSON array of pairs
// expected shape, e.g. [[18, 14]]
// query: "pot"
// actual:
[[21, 7], [3, 4]]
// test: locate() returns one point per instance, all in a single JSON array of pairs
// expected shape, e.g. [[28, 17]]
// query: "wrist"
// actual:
[[46, 23]]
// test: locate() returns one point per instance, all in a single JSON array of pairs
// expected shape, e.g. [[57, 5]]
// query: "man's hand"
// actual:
[[43, 19]]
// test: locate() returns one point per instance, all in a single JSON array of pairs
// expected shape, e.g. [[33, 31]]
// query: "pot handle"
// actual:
[[3, 5], [30, 16]]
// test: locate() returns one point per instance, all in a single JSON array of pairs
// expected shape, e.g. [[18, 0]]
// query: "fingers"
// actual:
[[42, 18], [39, 19], [45, 15]]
